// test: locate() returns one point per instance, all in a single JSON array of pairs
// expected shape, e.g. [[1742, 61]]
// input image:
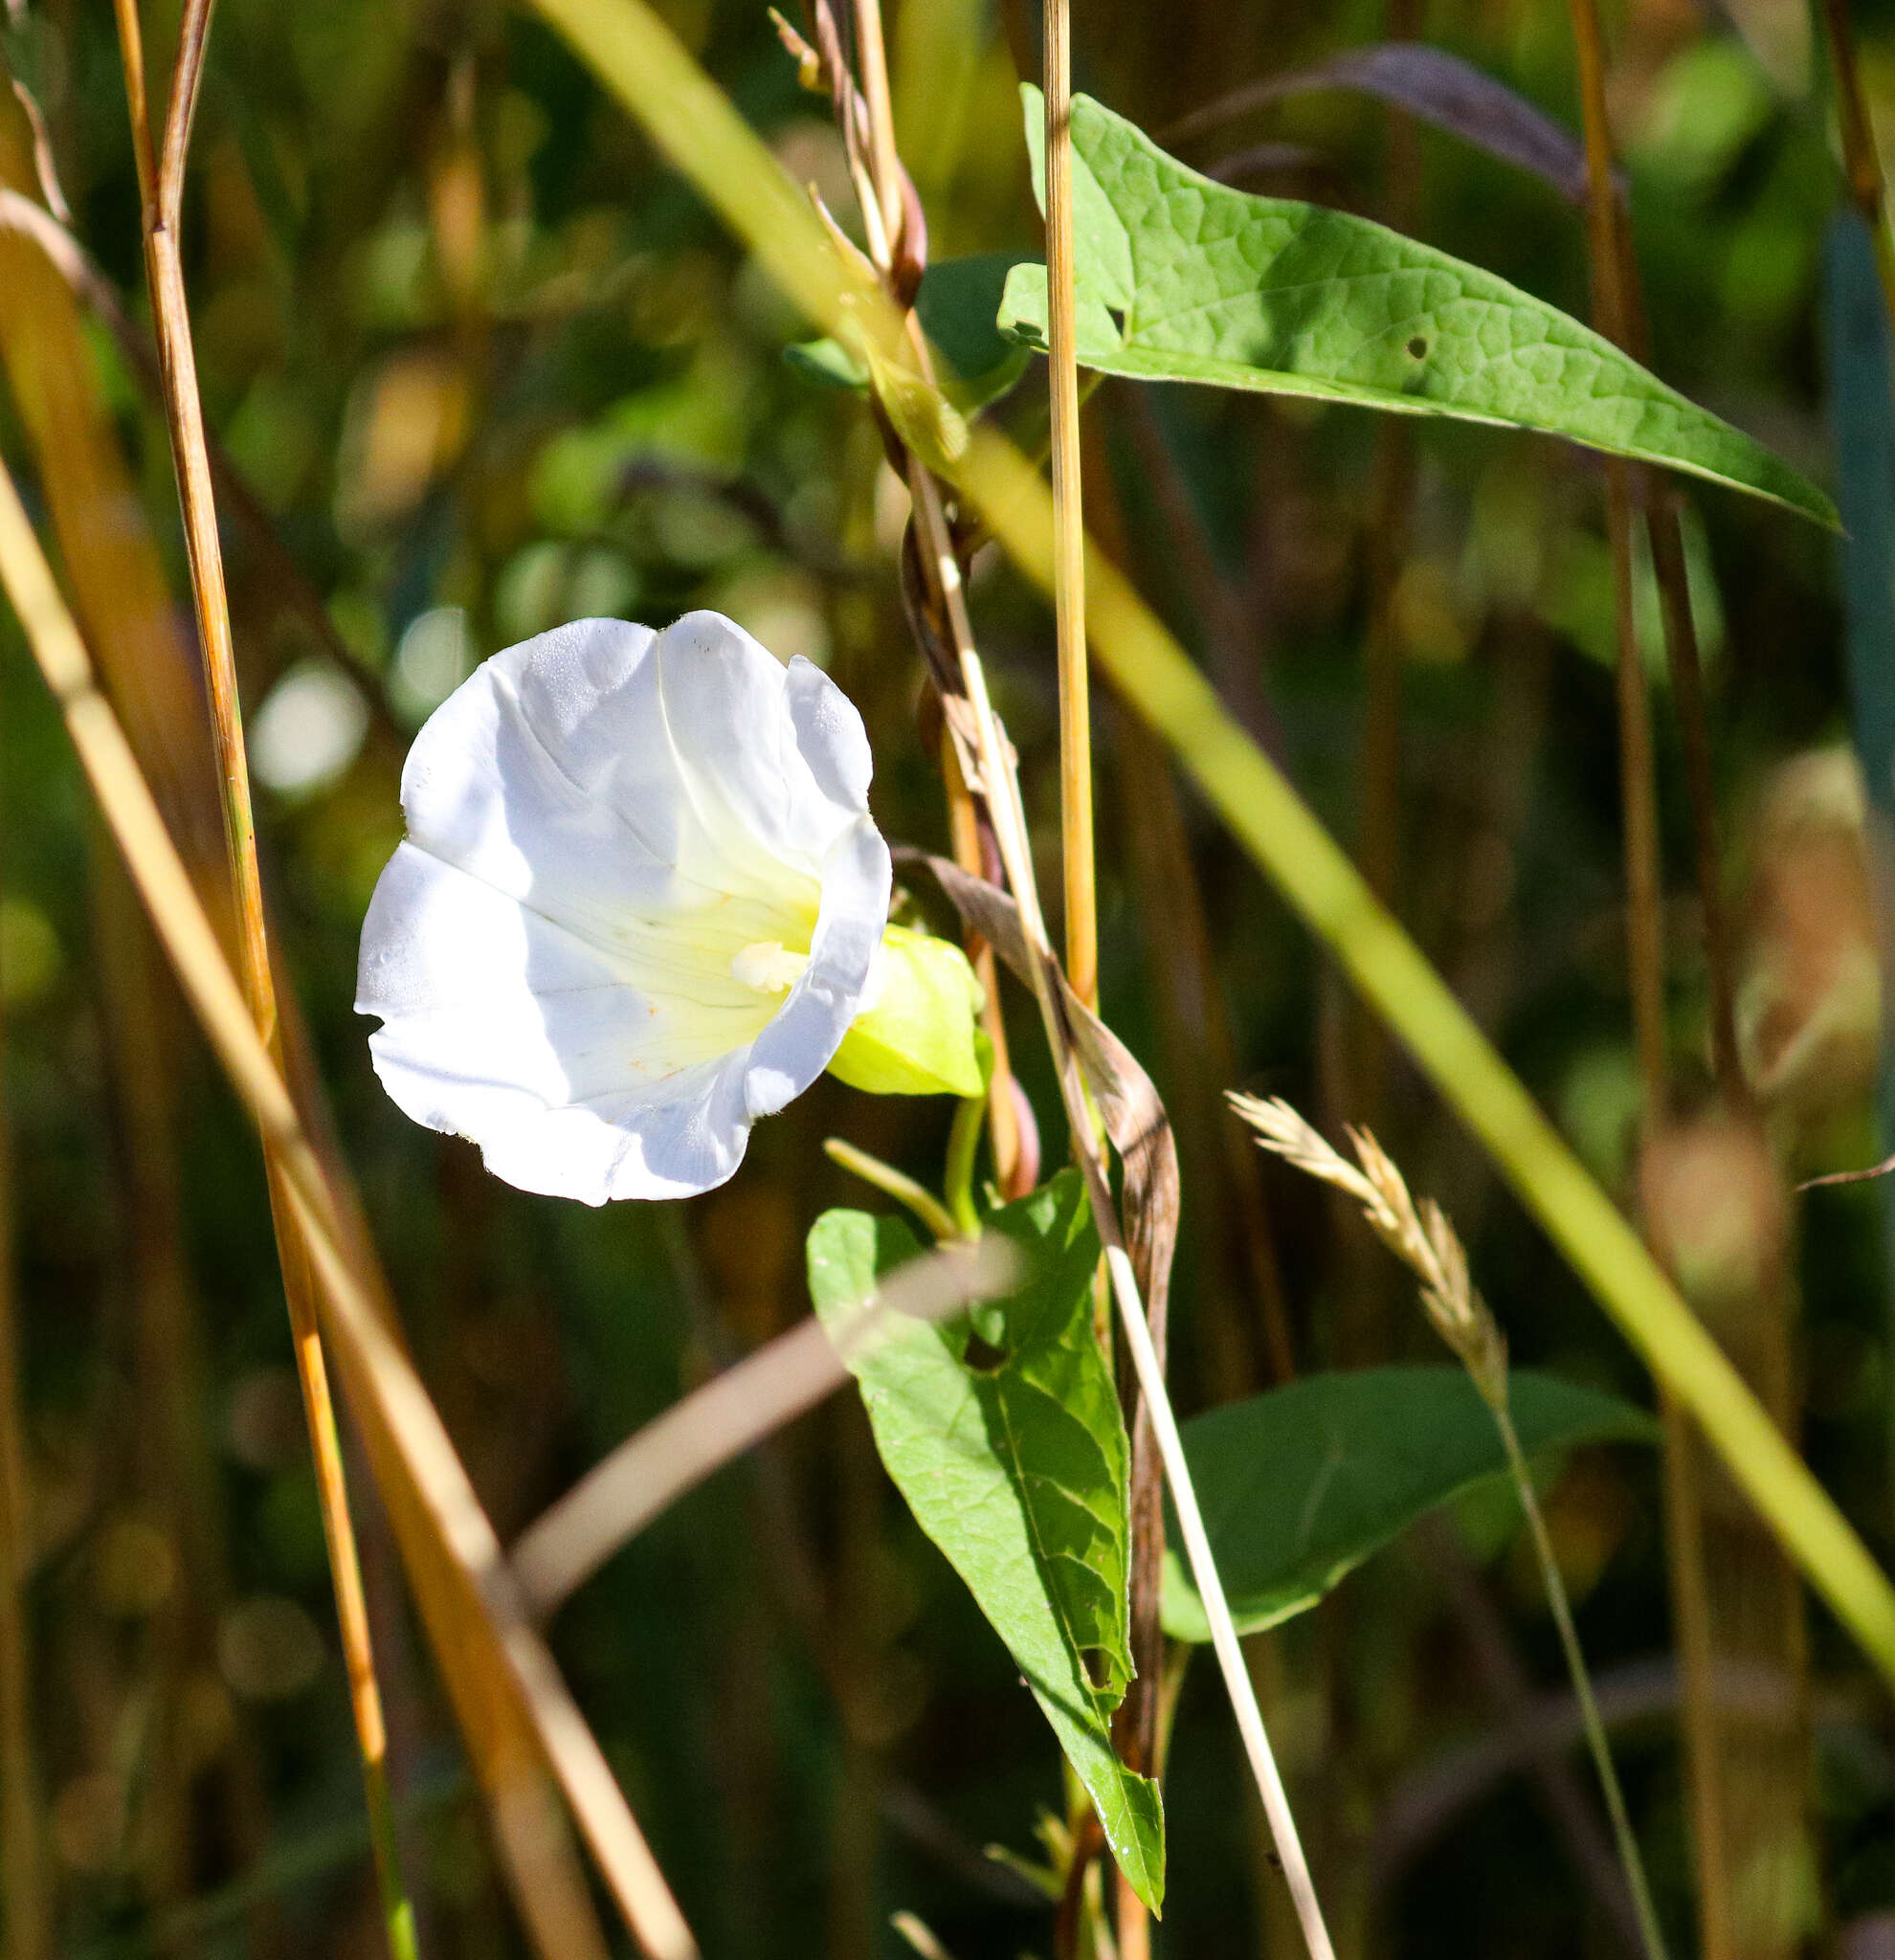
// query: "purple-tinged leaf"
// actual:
[[1440, 88]]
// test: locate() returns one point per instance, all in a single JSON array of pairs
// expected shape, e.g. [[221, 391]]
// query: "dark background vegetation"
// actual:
[[487, 366]]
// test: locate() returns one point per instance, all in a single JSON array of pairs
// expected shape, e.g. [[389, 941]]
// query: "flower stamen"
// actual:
[[768, 967]]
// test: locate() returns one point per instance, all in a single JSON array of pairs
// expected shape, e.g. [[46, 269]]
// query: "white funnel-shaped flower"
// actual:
[[637, 907]]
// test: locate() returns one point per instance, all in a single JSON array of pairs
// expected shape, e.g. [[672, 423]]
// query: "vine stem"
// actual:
[[879, 192], [1582, 1687], [161, 186], [1001, 784], [1003, 1120], [896, 1184]]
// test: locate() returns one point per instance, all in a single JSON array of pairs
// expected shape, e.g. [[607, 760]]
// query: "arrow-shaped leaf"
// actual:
[[1182, 279], [1300, 1485], [1014, 1458]]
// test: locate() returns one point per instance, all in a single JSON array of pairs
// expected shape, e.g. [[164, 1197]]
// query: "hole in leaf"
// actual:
[[1118, 314], [1098, 1668], [1419, 347], [983, 1356]]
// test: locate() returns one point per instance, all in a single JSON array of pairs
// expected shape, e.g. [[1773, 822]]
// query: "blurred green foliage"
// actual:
[[487, 366]]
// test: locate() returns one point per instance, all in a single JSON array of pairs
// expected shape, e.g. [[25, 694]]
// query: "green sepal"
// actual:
[[919, 1038]]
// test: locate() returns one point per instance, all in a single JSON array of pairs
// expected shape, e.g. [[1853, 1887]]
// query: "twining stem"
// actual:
[[896, 1184], [879, 191], [1003, 1120], [162, 193], [23, 1871], [1001, 783], [958, 1179], [1582, 1686], [1068, 518]]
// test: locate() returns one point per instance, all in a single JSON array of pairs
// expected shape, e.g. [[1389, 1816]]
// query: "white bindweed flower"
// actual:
[[640, 904]]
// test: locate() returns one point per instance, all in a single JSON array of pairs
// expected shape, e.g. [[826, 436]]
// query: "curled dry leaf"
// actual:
[[1134, 1117]]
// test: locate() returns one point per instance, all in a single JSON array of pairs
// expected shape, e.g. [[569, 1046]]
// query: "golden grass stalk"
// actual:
[[1424, 1240], [275, 569], [1077, 867], [1068, 517], [517, 1715], [163, 197]]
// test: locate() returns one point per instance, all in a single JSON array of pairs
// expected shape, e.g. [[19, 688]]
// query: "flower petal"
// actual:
[[504, 1028], [737, 720], [829, 736], [798, 1045], [551, 774], [604, 826]]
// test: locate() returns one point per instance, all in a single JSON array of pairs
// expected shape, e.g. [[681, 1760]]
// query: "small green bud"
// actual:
[[917, 1040]]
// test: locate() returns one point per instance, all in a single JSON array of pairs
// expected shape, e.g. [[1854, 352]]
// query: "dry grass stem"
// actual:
[[288, 586], [513, 1706], [163, 201], [1068, 517], [732, 1414]]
